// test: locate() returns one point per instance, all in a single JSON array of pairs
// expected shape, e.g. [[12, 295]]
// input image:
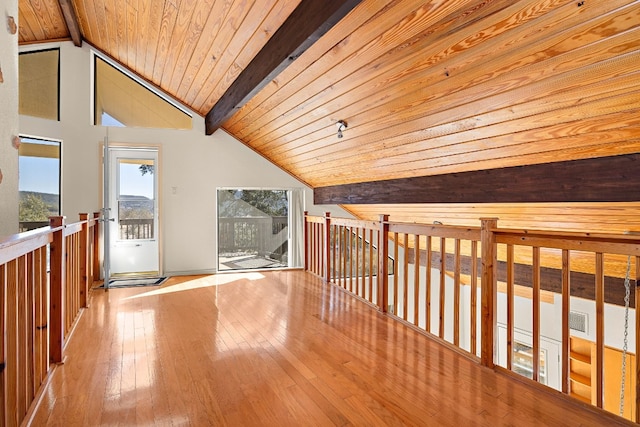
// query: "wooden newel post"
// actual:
[[96, 247], [488, 291], [383, 264], [306, 242], [57, 285], [84, 259], [327, 247]]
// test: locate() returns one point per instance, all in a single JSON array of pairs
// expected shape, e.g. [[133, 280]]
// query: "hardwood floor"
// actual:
[[273, 348]]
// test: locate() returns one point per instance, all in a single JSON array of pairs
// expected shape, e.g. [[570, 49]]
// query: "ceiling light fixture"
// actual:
[[342, 125]]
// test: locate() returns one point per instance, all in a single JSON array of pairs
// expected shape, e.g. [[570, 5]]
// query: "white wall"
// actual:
[[8, 120], [191, 162]]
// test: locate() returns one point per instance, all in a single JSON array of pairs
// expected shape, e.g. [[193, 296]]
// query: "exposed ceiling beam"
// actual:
[[603, 179], [71, 19], [306, 24]]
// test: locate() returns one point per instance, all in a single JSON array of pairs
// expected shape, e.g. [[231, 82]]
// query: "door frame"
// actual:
[[103, 181]]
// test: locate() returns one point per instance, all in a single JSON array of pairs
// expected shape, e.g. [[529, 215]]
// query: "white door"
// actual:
[[133, 209]]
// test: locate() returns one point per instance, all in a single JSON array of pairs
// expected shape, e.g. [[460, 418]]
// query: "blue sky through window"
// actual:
[[39, 174]]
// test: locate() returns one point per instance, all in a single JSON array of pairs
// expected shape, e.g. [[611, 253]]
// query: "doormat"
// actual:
[[134, 283]]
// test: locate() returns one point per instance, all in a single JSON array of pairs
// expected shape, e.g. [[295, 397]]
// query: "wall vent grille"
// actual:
[[578, 321]]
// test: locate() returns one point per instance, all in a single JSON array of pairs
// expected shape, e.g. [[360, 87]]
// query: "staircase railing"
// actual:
[[504, 298]]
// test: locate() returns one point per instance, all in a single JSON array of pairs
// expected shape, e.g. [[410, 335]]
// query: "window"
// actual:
[[254, 228], [39, 83], [39, 182], [122, 101]]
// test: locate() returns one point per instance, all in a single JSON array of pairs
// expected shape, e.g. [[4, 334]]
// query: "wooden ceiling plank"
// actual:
[[224, 60], [605, 179], [121, 51], [26, 34], [202, 59], [181, 39], [142, 42], [310, 20], [153, 32], [71, 20], [240, 51], [188, 49], [408, 97], [88, 19], [132, 35], [167, 23], [32, 19]]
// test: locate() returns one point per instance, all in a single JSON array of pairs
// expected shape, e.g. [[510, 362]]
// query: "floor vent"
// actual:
[[578, 321]]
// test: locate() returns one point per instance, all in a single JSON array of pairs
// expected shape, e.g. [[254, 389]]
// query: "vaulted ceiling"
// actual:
[[439, 87]]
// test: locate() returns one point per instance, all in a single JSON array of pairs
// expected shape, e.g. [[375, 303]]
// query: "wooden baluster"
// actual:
[[336, 247], [306, 241], [356, 264], [566, 336], [11, 347], [637, 334], [396, 280], [427, 279], [327, 247], [599, 328], [84, 260], [363, 263], [345, 254], [383, 264], [474, 298], [443, 270], [416, 279], [536, 313], [510, 304], [57, 281], [456, 293], [489, 296], [405, 278], [371, 265], [23, 353]]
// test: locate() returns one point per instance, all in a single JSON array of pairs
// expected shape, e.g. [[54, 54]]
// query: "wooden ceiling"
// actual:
[[426, 87]]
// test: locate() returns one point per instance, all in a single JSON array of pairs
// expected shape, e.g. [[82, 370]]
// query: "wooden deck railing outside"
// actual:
[[45, 275], [455, 300]]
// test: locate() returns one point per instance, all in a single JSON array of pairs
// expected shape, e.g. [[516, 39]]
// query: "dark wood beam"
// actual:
[[306, 24], [603, 179], [71, 19], [582, 284]]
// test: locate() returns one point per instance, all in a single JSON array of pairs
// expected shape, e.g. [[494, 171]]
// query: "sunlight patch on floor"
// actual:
[[203, 282]]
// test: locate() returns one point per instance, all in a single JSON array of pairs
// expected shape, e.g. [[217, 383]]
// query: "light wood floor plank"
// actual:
[[273, 348]]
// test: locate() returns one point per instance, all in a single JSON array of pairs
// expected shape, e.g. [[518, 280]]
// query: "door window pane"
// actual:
[[253, 229], [136, 199]]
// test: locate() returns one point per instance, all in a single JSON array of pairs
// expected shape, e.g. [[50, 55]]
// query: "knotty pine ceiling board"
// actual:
[[482, 85], [40, 20], [193, 50]]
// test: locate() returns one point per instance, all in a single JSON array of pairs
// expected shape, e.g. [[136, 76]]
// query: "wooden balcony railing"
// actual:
[[45, 275], [461, 285]]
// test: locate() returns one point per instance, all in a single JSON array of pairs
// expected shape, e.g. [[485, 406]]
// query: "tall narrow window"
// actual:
[[121, 101], [254, 229], [39, 83], [39, 182]]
